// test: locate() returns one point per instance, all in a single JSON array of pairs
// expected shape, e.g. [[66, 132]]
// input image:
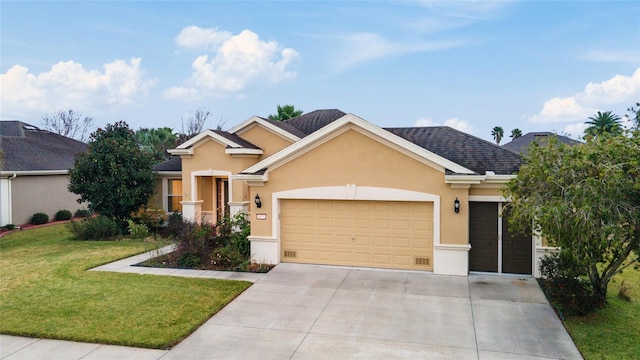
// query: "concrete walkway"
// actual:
[[327, 312]]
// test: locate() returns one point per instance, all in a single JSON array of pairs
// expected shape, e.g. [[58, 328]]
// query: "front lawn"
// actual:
[[613, 332], [46, 292]]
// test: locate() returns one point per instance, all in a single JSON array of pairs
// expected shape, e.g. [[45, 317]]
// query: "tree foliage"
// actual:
[[115, 175], [497, 133], [634, 115], [68, 123], [156, 141], [584, 199], [285, 112], [515, 133], [603, 124]]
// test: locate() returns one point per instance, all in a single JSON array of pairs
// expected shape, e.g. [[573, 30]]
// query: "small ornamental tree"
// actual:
[[114, 176], [584, 199]]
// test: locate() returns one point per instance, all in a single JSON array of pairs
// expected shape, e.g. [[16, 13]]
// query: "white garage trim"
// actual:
[[447, 259]]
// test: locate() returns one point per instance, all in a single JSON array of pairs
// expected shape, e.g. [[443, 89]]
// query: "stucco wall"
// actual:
[[269, 142], [47, 194], [353, 158]]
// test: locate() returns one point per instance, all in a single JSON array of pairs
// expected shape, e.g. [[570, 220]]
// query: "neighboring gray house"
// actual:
[[34, 172], [520, 145]]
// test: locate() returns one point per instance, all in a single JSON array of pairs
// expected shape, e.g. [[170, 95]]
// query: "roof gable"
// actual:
[[350, 121], [287, 131], [234, 143], [27, 148]]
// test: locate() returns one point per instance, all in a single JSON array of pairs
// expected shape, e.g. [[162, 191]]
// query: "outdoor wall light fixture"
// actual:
[[257, 201], [456, 205]]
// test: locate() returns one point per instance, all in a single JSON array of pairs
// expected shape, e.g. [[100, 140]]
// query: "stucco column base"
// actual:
[[264, 250], [191, 210], [451, 259]]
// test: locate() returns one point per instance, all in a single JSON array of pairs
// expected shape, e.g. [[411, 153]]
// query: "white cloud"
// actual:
[[362, 47], [575, 130], [613, 56], [69, 85], [181, 93], [236, 61], [193, 37], [453, 123], [459, 125], [595, 96]]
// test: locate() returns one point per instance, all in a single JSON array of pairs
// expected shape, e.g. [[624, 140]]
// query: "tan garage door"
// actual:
[[386, 234]]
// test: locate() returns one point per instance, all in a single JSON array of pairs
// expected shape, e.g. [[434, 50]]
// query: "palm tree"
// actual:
[[497, 134], [515, 133], [285, 112], [603, 123]]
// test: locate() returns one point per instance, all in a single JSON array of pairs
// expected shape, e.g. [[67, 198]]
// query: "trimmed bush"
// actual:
[[190, 261], [63, 215], [82, 213], [95, 228], [39, 218]]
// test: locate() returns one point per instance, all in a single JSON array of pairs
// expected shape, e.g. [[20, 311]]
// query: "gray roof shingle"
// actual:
[[315, 120], [28, 148], [521, 144], [173, 164], [464, 149]]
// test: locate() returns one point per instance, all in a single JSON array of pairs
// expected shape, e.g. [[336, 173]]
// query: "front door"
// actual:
[[222, 200]]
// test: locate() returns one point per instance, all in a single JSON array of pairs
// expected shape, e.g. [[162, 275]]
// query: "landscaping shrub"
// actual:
[[9, 227], [63, 215], [95, 228], [173, 226], [151, 218], [82, 213], [39, 218], [566, 290], [138, 231], [190, 260]]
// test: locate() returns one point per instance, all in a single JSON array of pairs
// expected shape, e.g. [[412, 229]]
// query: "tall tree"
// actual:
[[497, 134], [634, 115], [156, 141], [586, 200], [603, 123], [194, 124], [285, 112], [515, 133], [68, 123], [114, 176]]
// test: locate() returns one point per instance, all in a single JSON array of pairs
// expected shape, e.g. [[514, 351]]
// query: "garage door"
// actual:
[[382, 234]]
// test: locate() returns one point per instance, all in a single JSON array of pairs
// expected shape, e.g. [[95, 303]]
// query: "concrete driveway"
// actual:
[[323, 312]]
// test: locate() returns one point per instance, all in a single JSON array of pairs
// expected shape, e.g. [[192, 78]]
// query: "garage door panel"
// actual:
[[359, 233]]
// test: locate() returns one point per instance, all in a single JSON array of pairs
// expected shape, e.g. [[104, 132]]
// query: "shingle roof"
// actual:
[[173, 164], [464, 149], [236, 139], [520, 145], [315, 120], [28, 148], [287, 127]]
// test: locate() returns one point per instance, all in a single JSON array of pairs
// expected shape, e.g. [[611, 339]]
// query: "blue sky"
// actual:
[[535, 65]]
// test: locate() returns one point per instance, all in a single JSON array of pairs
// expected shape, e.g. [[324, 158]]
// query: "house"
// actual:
[[521, 144], [331, 188], [34, 172]]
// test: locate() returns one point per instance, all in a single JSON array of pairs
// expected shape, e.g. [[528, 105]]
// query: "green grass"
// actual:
[[45, 291], [613, 332]]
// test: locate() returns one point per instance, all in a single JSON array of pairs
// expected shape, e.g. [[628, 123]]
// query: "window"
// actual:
[[174, 195]]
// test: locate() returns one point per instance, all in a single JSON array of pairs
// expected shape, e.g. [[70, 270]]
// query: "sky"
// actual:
[[531, 65]]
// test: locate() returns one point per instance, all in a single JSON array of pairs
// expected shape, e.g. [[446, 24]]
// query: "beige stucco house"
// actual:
[[329, 187], [34, 172]]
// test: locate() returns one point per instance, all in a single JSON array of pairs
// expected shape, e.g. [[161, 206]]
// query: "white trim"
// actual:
[[487, 198], [243, 151], [34, 173], [489, 178], [245, 125], [353, 192], [366, 128], [5, 201], [500, 255], [207, 133]]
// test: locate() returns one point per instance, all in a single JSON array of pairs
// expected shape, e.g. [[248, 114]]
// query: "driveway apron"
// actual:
[[326, 312]]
